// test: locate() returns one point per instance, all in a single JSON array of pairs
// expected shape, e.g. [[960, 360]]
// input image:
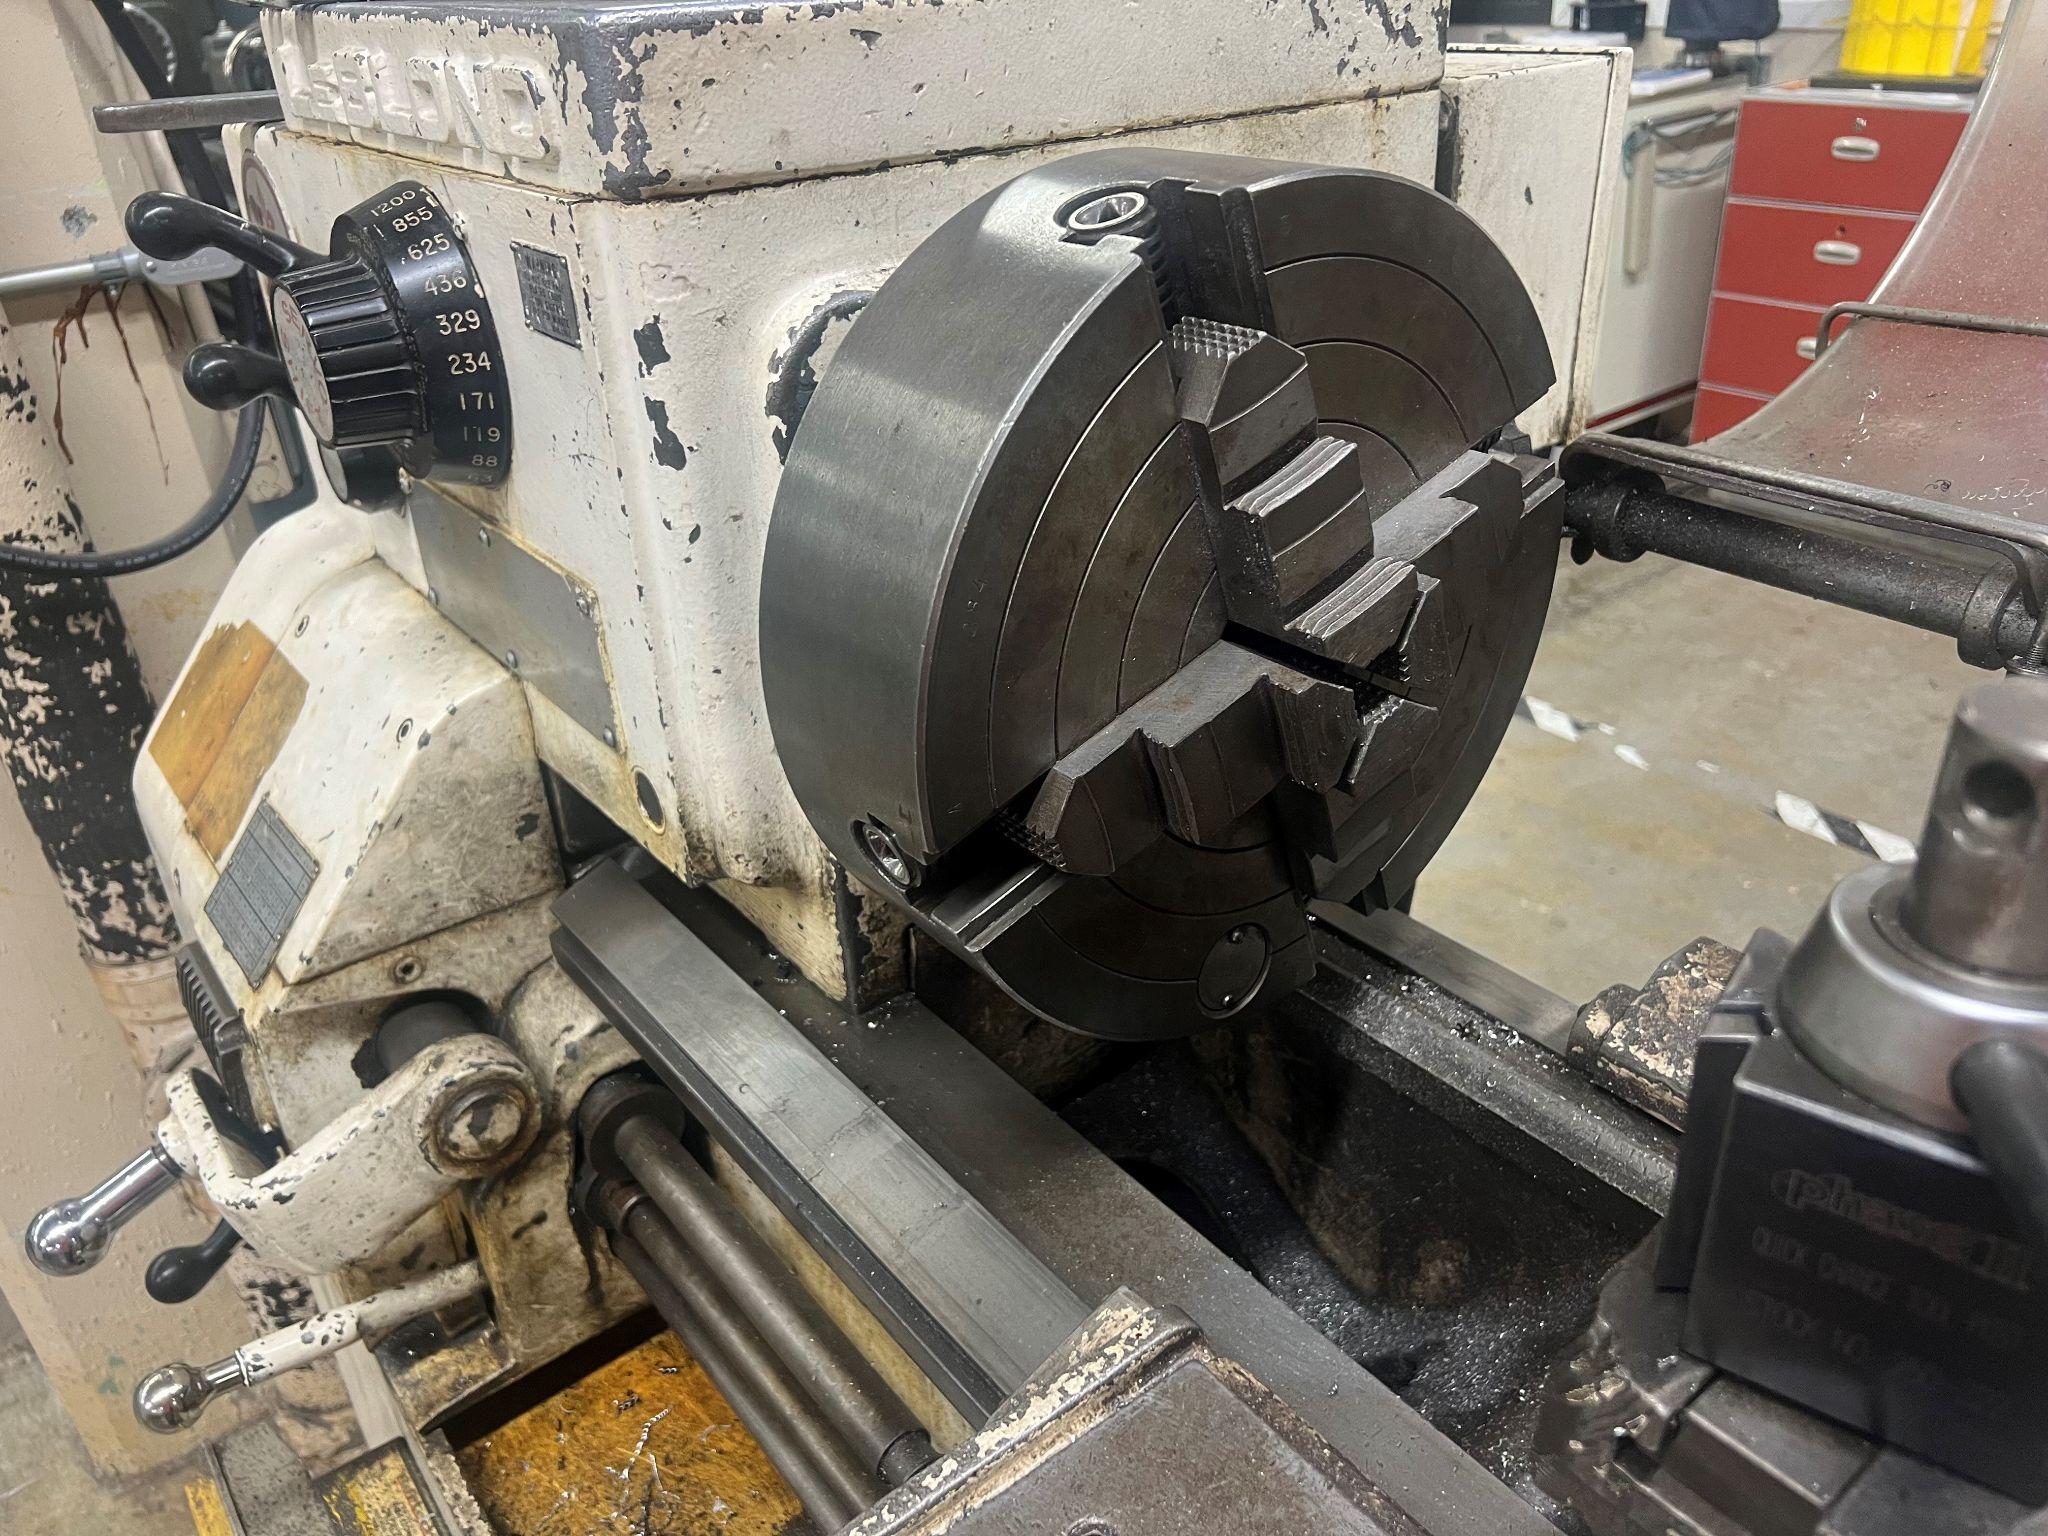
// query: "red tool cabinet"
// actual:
[[1825, 188]]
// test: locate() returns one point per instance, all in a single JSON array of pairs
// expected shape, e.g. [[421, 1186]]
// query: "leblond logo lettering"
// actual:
[[498, 105]]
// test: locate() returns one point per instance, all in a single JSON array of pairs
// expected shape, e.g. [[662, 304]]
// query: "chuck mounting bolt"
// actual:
[[68, 1238], [1979, 894]]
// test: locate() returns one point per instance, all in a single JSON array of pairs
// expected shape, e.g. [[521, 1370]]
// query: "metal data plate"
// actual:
[[537, 619], [546, 294], [260, 891]]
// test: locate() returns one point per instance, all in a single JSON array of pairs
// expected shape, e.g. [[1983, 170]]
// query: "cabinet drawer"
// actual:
[[1757, 347], [1806, 255], [1716, 410], [1848, 156]]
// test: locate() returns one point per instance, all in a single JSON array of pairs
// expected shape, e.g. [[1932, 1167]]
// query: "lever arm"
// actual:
[[68, 1238], [170, 227], [179, 1274]]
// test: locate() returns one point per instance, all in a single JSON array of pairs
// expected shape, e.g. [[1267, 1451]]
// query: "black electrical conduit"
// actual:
[[193, 532]]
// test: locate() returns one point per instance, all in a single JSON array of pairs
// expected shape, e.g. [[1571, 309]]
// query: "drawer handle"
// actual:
[[1837, 253], [1853, 146], [1807, 347]]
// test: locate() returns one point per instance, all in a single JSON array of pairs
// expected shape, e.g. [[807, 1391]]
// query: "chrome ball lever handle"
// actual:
[[68, 1238]]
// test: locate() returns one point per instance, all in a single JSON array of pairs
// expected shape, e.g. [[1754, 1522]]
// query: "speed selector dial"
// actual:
[[386, 340], [345, 355]]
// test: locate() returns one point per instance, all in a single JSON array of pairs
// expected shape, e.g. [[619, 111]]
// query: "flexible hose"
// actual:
[[2002, 1086], [123, 562]]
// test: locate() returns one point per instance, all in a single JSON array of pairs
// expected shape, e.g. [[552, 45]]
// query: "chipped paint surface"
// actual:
[[348, 1189], [551, 1290], [651, 101], [73, 704], [1547, 199], [405, 765], [320, 1335]]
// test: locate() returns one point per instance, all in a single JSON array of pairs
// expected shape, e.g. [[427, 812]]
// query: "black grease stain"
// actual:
[[526, 826]]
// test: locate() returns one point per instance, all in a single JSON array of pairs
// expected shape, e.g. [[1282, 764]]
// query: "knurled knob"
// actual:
[[344, 346]]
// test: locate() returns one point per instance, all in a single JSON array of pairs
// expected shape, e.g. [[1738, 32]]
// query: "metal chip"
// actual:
[[545, 293], [260, 891]]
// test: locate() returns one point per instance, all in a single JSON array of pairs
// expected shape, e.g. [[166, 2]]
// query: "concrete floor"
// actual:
[[47, 1485], [1691, 701], [1695, 700]]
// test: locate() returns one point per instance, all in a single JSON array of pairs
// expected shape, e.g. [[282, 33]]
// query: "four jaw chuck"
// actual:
[[1142, 571]]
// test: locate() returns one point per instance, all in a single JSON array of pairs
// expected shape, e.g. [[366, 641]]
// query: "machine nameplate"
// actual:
[[545, 293], [537, 619], [261, 888]]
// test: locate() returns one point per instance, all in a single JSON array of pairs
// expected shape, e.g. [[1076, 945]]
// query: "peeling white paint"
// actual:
[[346, 1191]]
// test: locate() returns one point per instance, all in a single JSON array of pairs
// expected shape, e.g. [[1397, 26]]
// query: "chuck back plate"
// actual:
[[1133, 577]]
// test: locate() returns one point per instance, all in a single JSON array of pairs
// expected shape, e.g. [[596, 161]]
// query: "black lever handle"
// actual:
[[179, 1274], [227, 375], [170, 228]]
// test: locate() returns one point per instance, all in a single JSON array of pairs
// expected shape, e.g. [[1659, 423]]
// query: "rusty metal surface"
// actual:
[[642, 1444], [1637, 1042]]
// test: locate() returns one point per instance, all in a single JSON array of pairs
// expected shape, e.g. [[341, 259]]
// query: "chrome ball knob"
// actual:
[[171, 1398], [66, 1239]]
